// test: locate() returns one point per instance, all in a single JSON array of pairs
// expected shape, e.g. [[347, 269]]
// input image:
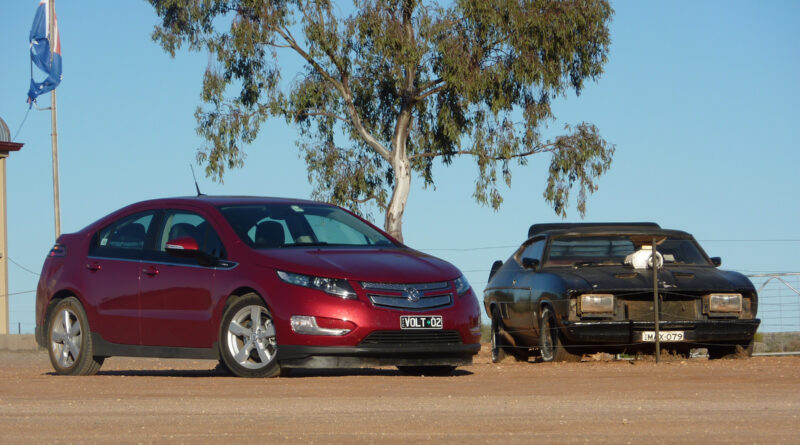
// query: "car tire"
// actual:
[[728, 351], [498, 342], [247, 342], [436, 370], [69, 339], [552, 346]]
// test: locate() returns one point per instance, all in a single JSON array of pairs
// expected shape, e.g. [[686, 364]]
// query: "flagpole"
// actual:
[[53, 118]]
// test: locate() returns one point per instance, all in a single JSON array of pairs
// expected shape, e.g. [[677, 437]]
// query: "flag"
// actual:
[[40, 52]]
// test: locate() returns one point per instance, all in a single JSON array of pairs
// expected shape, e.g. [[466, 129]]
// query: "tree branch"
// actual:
[[430, 92], [323, 113], [547, 148]]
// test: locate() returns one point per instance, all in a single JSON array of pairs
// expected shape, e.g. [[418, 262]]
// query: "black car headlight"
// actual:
[[596, 304], [462, 285], [332, 286]]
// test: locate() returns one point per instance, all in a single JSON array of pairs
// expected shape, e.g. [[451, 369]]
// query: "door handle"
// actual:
[[150, 270], [94, 266]]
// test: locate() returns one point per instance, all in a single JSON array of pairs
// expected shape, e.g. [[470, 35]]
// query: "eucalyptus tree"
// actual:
[[385, 88]]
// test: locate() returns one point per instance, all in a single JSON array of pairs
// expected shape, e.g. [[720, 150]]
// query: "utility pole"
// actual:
[[6, 147], [51, 25], [655, 302]]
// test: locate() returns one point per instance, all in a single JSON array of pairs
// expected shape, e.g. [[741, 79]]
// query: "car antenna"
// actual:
[[195, 181]]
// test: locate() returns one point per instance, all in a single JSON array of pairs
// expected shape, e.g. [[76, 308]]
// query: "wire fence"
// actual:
[[778, 301]]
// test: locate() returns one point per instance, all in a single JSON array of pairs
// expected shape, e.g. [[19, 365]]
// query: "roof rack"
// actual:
[[536, 229]]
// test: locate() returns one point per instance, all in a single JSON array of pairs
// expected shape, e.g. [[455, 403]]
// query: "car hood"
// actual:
[[688, 278], [395, 265]]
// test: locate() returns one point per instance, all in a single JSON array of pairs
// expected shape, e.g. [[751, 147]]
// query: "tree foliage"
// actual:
[[390, 86]]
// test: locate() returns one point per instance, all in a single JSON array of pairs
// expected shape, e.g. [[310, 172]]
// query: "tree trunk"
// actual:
[[402, 184]]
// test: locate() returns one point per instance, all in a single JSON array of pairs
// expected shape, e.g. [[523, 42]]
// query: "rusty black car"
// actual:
[[574, 289]]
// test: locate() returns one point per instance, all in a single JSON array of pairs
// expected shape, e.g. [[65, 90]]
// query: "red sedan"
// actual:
[[261, 284]]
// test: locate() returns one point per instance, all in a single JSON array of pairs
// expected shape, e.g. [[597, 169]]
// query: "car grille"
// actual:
[[411, 337], [417, 297], [673, 307]]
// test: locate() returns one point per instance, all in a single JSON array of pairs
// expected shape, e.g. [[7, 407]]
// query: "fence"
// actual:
[[779, 311]]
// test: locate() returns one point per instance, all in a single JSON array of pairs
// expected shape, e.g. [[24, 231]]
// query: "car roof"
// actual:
[[216, 200], [628, 228]]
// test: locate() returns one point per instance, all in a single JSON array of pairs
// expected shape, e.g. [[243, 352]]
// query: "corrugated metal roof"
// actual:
[[5, 135]]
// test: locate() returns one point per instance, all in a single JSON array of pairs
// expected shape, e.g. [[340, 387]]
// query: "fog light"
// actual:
[[725, 303], [596, 304], [307, 324]]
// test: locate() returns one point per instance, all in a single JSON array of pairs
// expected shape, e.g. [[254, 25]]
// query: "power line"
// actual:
[[22, 267]]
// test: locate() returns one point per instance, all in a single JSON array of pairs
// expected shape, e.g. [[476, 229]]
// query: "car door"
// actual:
[[176, 293], [521, 309], [111, 277]]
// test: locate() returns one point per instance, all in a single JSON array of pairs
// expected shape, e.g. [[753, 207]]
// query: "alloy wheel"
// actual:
[[66, 338], [250, 337]]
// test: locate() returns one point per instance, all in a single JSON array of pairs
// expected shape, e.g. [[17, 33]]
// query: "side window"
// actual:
[[181, 224], [125, 238], [534, 250]]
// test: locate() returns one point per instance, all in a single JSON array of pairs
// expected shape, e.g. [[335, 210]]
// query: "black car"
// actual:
[[573, 289]]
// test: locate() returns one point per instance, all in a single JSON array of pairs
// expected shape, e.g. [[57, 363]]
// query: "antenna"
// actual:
[[195, 181]]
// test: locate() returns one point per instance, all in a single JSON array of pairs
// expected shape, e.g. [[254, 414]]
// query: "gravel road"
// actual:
[[187, 401]]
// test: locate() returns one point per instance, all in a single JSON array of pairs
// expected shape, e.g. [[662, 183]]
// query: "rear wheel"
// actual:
[[248, 344], [551, 343], [70, 340]]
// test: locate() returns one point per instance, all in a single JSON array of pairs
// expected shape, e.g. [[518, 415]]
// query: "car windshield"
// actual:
[[613, 249], [288, 225]]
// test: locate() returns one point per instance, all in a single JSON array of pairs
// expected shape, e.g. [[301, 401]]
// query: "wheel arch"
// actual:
[[63, 294]]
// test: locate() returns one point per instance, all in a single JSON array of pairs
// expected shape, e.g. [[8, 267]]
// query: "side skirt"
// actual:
[[103, 348]]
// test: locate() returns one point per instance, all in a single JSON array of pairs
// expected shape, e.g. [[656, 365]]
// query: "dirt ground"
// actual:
[[187, 401]]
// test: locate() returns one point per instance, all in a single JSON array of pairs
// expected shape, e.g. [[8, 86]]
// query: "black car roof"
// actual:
[[632, 228]]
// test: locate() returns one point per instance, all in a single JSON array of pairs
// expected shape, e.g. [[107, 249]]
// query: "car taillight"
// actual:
[[58, 250]]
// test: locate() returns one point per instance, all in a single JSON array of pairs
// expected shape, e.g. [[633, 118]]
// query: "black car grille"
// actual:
[[673, 306], [411, 337]]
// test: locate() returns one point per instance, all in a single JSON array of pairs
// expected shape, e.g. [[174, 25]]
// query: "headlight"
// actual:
[[332, 286], [597, 304], [462, 285], [725, 303]]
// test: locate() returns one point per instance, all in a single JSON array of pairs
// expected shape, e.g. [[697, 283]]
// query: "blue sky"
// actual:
[[699, 97]]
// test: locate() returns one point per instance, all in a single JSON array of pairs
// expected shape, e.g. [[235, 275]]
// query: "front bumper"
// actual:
[[628, 332], [297, 356]]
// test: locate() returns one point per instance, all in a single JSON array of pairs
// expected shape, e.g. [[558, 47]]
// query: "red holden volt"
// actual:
[[260, 284]]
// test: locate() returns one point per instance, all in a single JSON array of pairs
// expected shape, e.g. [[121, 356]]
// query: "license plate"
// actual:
[[420, 322], [666, 336]]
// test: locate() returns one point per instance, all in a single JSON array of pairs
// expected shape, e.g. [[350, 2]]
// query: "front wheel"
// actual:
[[730, 351], [70, 340], [248, 344], [498, 353], [551, 343]]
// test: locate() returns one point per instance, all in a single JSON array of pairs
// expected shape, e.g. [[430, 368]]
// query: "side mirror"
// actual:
[[182, 247], [530, 263], [495, 267], [186, 247], [716, 261]]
